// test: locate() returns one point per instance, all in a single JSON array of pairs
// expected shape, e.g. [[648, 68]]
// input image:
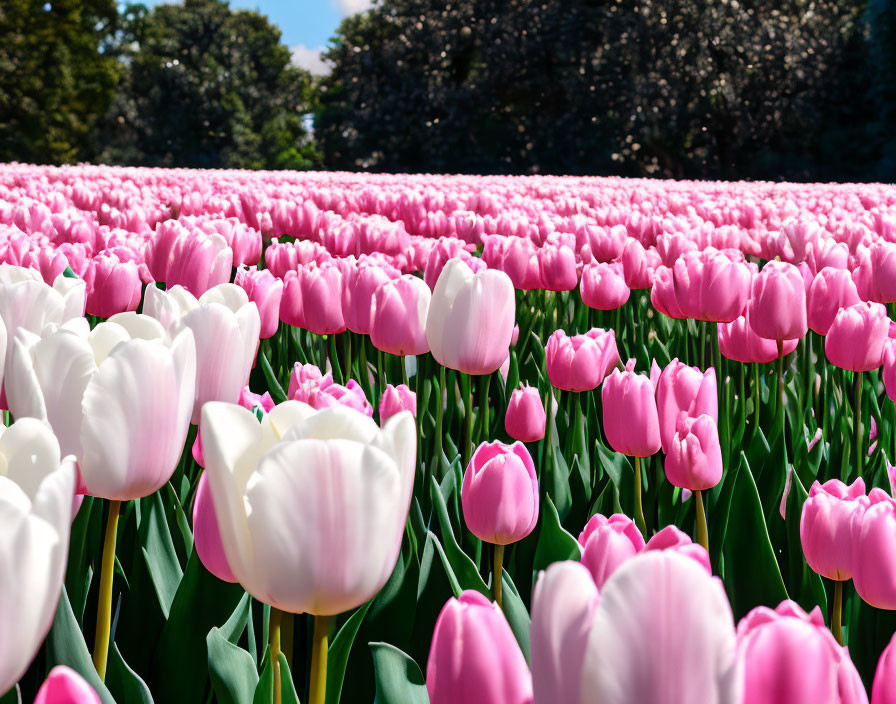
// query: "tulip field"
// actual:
[[279, 437]]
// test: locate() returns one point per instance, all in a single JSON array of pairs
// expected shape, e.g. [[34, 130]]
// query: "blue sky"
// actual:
[[307, 25]]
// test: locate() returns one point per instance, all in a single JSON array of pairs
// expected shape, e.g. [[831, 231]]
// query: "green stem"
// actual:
[[860, 463], [484, 382], [781, 374], [347, 354], [639, 509], [702, 532], [836, 618], [274, 638], [334, 361], [440, 414], [317, 693], [104, 608], [757, 395], [468, 421], [498, 575], [404, 372], [365, 370]]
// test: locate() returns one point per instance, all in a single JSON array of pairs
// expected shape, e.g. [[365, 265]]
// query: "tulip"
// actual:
[[630, 414], [607, 543], [198, 262], [789, 656], [635, 651], [889, 361], [65, 686], [499, 496], [471, 318], [884, 688], [873, 544], [308, 385], [778, 303], [710, 285], [266, 292], [225, 326], [36, 493], [396, 399], [684, 389], [525, 418], [357, 295], [581, 362], [206, 535], [671, 538], [113, 286], [398, 316], [321, 288], [603, 287], [831, 290], [564, 603], [739, 343], [855, 340], [558, 268], [474, 656], [636, 266]]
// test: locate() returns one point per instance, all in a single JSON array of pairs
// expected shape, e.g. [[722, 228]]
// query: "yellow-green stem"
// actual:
[[836, 626], [104, 609], [860, 457], [639, 509], [498, 575], [274, 637], [702, 532], [317, 692], [287, 630]]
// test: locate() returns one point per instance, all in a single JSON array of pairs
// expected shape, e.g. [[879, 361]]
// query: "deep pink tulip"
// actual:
[[684, 389], [778, 302], [580, 362], [874, 549], [516, 257], [607, 543], [207, 536], [65, 686], [711, 285], [884, 689], [558, 268], [499, 493], [474, 657], [889, 361], [266, 291], [671, 538], [321, 288], [396, 399], [856, 338], [789, 656], [882, 259], [603, 287], [694, 457], [630, 415], [292, 310], [831, 290], [525, 418], [662, 295], [739, 343], [825, 527], [113, 286], [671, 247], [398, 317], [636, 266]]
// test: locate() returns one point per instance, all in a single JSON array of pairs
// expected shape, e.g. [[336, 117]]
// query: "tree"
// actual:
[[54, 80], [206, 86]]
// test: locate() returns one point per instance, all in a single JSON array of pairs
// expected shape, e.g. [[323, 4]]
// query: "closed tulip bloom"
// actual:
[[635, 650], [607, 543], [884, 689], [308, 385], [825, 527], [856, 339], [198, 262], [525, 418], [663, 296], [874, 548], [225, 326], [118, 397], [398, 318], [684, 389], [206, 535], [789, 656], [311, 505], [710, 285], [671, 538], [636, 266], [889, 361], [65, 686], [558, 267], [499, 494], [580, 362], [778, 302], [266, 292], [603, 287], [831, 290], [474, 657], [630, 415], [396, 399], [564, 603], [739, 343], [113, 286], [694, 458], [321, 288], [36, 493], [471, 318], [361, 284]]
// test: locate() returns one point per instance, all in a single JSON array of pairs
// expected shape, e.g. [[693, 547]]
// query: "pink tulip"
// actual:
[[825, 527], [396, 399], [525, 418], [789, 656], [499, 493], [711, 285], [558, 268], [739, 343], [630, 415], [663, 296], [882, 260], [309, 385], [113, 286], [889, 361], [516, 257], [884, 689], [684, 389], [874, 548], [636, 266], [778, 302], [603, 287], [398, 316], [671, 247], [856, 339], [581, 362], [831, 290], [207, 536], [65, 686], [266, 292], [199, 262], [474, 657], [694, 457], [671, 538], [321, 288], [357, 295], [257, 403], [607, 543]]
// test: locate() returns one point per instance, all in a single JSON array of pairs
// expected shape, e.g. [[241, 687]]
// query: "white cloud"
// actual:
[[310, 59], [351, 7]]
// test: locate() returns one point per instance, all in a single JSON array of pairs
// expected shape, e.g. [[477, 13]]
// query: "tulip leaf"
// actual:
[[516, 614], [398, 677], [239, 619], [554, 542], [159, 553], [338, 652], [232, 670], [264, 692], [66, 646], [277, 392], [804, 585], [465, 569], [123, 682], [432, 543]]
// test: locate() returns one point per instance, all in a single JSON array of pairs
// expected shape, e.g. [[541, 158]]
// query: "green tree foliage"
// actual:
[[205, 86], [54, 81], [718, 88]]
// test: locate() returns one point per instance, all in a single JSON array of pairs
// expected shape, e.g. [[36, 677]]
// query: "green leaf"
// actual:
[[516, 614], [338, 652], [126, 684], [554, 542], [159, 553], [398, 678], [277, 392], [264, 692], [461, 564], [236, 624], [232, 670]]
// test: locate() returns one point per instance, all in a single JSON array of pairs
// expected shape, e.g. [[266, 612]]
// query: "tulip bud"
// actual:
[[684, 389], [825, 527], [889, 361], [113, 286], [398, 317], [607, 543], [778, 302], [65, 686], [873, 549], [630, 414], [884, 689], [671, 538], [831, 290], [525, 418], [580, 362], [739, 343], [266, 292], [694, 459], [856, 338], [206, 534], [396, 399], [603, 287]]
